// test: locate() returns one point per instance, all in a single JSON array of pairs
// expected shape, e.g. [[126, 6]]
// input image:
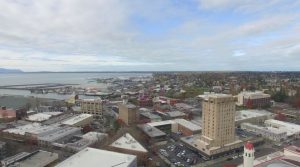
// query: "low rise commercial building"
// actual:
[[252, 116], [79, 120], [94, 158], [38, 158], [293, 130], [177, 125], [172, 114], [27, 132], [85, 141], [153, 134], [39, 117], [270, 133], [184, 107], [129, 145], [146, 117], [47, 139], [253, 99], [186, 127]]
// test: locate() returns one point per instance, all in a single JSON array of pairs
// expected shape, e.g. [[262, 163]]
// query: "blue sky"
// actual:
[[156, 35]]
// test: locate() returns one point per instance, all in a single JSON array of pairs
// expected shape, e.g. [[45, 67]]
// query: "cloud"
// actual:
[[134, 35], [238, 53], [249, 6]]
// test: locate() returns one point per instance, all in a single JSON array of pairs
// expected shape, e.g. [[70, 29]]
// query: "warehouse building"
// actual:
[[79, 120], [94, 158], [38, 158], [39, 117], [47, 139], [27, 132]]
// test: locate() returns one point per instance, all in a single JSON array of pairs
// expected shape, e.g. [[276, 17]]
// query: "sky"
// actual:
[[155, 35]]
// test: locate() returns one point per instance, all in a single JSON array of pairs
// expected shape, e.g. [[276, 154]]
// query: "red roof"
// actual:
[[249, 146]]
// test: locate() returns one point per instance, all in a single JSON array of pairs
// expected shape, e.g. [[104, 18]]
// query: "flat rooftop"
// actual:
[[91, 157], [39, 117], [76, 119], [128, 105], [59, 133], [188, 124], [265, 129], [91, 100], [54, 113], [151, 131], [276, 159], [39, 158], [150, 115], [161, 123], [127, 142], [208, 95], [290, 128], [276, 163], [246, 114], [33, 128], [94, 136], [175, 114]]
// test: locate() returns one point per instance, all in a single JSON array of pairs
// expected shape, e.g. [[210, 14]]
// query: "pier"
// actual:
[[42, 88]]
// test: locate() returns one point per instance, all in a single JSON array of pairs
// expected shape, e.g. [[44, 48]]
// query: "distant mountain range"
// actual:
[[4, 70]]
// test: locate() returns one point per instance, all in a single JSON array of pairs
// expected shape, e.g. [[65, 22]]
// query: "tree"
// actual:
[[280, 96]]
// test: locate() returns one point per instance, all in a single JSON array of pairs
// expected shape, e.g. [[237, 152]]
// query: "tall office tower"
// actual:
[[248, 155], [218, 116]]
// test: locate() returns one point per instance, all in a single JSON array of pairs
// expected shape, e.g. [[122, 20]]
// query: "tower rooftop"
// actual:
[[249, 146]]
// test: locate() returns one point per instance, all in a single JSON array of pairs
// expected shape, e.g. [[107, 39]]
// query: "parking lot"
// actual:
[[179, 155]]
